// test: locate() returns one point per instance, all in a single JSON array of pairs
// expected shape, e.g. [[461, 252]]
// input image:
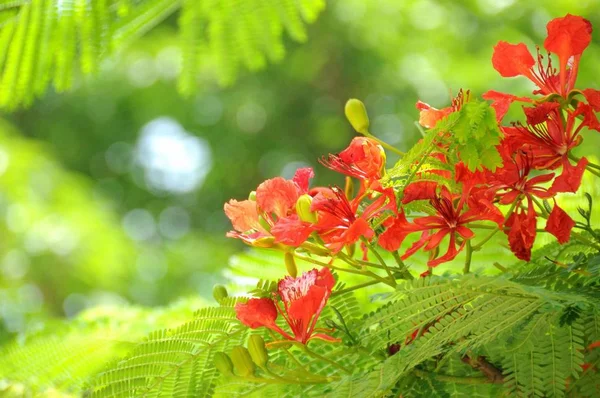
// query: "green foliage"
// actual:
[[476, 135], [42, 41], [65, 355], [176, 362]]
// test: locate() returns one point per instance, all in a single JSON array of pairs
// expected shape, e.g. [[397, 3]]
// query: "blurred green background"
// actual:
[[113, 192]]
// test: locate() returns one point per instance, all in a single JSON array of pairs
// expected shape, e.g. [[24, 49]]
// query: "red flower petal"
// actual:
[[277, 195], [512, 59], [540, 113], [450, 254], [560, 224], [593, 98], [302, 178], [243, 215], [521, 233], [570, 179], [420, 190], [501, 102], [291, 231], [589, 117], [429, 116], [568, 36], [257, 312], [365, 154], [394, 235]]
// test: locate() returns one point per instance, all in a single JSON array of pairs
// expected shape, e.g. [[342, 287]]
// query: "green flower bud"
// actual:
[[349, 188], [290, 264], [258, 350], [242, 361], [356, 113], [219, 293], [303, 209], [223, 363], [252, 196]]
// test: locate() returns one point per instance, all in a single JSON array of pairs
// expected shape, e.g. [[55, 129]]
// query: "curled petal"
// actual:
[[257, 312], [450, 254], [429, 116], [589, 117], [277, 196], [512, 59], [243, 215], [394, 235], [302, 178], [501, 102], [570, 178], [560, 224]]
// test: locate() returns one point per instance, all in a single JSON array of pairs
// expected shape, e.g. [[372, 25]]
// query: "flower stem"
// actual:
[[351, 271], [382, 143], [381, 261], [589, 165], [467, 268], [496, 229], [451, 379], [324, 359], [355, 287], [402, 266]]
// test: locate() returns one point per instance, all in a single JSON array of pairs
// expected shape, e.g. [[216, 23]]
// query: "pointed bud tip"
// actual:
[[356, 113]]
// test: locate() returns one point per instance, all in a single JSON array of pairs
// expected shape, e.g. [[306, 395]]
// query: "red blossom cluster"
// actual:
[[298, 300], [537, 164]]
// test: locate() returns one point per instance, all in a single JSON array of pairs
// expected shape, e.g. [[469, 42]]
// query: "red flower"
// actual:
[[273, 214], [567, 38], [363, 159], [549, 141], [512, 183], [338, 222], [303, 300], [451, 219]]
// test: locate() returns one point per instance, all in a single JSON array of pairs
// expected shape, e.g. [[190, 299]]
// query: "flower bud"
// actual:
[[258, 350], [349, 188], [242, 361], [290, 264], [252, 196], [219, 293], [356, 114], [303, 209], [223, 363]]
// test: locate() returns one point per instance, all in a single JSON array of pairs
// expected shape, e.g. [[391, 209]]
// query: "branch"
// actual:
[[493, 374]]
